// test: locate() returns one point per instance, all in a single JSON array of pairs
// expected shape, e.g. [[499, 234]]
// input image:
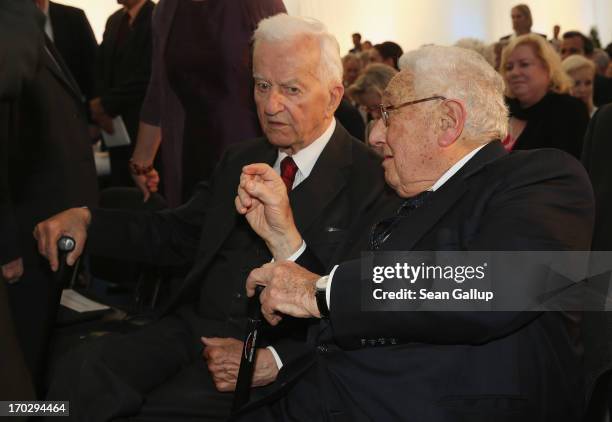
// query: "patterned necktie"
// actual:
[[288, 172], [382, 230]]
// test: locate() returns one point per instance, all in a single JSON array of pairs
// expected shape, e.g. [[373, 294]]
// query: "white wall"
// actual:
[[412, 23]]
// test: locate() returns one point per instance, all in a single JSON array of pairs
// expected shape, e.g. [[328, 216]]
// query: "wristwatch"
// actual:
[[321, 296]]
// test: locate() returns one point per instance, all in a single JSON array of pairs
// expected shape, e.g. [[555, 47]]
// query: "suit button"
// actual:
[[322, 348]]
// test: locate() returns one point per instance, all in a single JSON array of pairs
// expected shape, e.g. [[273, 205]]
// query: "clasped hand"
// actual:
[[262, 198]]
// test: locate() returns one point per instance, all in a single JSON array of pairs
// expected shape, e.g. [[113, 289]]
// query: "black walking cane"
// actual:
[[65, 245], [247, 361]]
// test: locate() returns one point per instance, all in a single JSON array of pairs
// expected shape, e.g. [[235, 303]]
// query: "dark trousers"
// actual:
[[15, 383], [154, 374], [34, 301]]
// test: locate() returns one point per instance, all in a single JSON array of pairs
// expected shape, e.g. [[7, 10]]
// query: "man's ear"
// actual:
[[336, 92], [452, 119]]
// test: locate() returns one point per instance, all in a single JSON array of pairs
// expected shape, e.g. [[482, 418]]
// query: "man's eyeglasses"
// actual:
[[384, 110]]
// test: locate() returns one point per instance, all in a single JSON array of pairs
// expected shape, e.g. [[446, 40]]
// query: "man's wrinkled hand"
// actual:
[[289, 290], [73, 223], [13, 271], [262, 198], [223, 359]]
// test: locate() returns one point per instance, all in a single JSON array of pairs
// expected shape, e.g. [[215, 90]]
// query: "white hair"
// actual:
[[465, 75], [282, 27], [485, 50]]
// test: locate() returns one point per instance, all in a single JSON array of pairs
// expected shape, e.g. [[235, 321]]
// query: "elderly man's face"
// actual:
[[409, 148], [293, 105]]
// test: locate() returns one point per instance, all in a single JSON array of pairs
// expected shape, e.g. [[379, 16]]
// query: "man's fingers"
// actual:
[[257, 277], [263, 192], [50, 248], [244, 201], [260, 169], [78, 250]]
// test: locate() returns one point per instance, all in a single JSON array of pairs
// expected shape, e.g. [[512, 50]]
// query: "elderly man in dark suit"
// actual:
[[444, 116], [123, 70], [332, 178]]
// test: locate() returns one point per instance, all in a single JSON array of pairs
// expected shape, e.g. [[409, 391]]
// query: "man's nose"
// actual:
[[376, 139], [274, 103]]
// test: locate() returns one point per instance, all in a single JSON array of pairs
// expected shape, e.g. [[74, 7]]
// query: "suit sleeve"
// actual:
[[559, 217], [168, 237]]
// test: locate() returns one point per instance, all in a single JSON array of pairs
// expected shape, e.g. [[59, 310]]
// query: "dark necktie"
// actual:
[[382, 230], [288, 171]]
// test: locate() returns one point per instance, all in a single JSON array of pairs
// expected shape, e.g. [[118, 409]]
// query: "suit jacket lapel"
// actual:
[[223, 216], [53, 60], [327, 178], [420, 221]]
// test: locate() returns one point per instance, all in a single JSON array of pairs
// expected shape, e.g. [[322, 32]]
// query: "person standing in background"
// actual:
[[201, 75], [50, 166], [123, 71], [73, 37]]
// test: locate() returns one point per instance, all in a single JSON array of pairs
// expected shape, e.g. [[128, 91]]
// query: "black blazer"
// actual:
[[595, 155], [51, 166], [345, 182], [449, 366], [76, 42], [123, 73]]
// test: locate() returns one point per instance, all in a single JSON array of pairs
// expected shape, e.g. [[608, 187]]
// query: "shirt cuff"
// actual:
[[298, 253], [277, 358], [328, 287]]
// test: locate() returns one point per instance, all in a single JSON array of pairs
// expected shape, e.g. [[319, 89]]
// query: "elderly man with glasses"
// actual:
[[442, 117]]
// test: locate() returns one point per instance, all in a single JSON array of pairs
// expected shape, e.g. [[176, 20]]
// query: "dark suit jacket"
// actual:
[[76, 42], [602, 90], [123, 73], [597, 326], [345, 182], [509, 36], [52, 166], [472, 366], [597, 150]]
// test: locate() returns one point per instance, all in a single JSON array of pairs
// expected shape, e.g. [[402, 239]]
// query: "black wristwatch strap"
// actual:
[[321, 297]]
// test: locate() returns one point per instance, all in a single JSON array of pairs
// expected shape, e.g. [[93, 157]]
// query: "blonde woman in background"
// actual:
[[542, 113], [582, 72]]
